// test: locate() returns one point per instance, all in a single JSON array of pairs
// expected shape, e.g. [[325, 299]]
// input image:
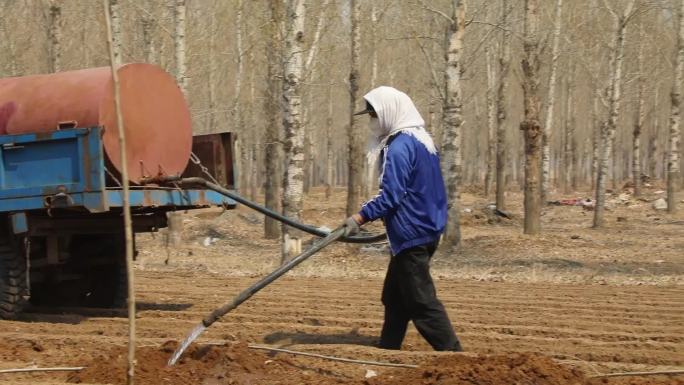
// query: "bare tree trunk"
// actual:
[[329, 146], [256, 135], [369, 184], [179, 45], [236, 110], [117, 38], [639, 119], [491, 123], [85, 50], [293, 193], [551, 100], [568, 166], [453, 121], [614, 160], [308, 73], [356, 152], [574, 157], [55, 35], [504, 66], [148, 36], [211, 58], [531, 126], [608, 133], [675, 117], [653, 140], [374, 51], [175, 219], [309, 154], [596, 141], [272, 151]]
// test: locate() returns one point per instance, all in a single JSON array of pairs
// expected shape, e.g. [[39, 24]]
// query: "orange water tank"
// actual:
[[155, 114]]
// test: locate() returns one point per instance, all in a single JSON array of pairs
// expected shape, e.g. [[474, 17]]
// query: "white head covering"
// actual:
[[396, 112]]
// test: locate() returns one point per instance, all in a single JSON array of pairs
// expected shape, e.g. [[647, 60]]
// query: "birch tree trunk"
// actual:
[[236, 110], [453, 120], [531, 126], [551, 100], [272, 152], [117, 38], [504, 67], [356, 153], [294, 133], [175, 219], [608, 131], [147, 22], [211, 58], [55, 35], [308, 73], [179, 45], [148, 45], [639, 118], [370, 177], [491, 122], [675, 116]]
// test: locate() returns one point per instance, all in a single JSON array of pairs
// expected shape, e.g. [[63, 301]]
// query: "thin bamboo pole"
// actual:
[[128, 231], [31, 370], [640, 374]]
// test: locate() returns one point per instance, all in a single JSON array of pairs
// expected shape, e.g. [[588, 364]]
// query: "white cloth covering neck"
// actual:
[[396, 113]]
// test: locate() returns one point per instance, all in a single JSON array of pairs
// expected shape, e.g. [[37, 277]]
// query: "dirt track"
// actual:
[[598, 301]]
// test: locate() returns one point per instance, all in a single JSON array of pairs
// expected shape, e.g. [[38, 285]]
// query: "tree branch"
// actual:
[[436, 11]]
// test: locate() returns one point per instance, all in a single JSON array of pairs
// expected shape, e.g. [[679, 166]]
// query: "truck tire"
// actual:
[[13, 286]]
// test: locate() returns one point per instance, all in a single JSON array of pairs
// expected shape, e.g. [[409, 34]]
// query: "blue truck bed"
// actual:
[[66, 169]]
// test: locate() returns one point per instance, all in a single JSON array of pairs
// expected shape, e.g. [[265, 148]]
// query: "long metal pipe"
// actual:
[[313, 230], [250, 291]]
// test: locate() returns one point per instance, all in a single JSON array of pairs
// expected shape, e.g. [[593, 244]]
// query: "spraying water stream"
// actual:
[[186, 342]]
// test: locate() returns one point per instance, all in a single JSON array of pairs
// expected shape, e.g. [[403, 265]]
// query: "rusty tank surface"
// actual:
[[156, 116]]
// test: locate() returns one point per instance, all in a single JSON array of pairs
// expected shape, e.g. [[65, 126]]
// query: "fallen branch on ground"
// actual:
[[25, 370], [331, 358], [626, 374]]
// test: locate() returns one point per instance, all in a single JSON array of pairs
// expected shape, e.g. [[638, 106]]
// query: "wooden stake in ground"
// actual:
[[128, 230]]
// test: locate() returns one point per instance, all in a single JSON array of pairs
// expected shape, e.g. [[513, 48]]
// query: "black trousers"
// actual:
[[409, 295]]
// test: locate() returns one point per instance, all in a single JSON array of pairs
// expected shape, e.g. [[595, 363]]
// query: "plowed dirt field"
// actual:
[[555, 309], [596, 328]]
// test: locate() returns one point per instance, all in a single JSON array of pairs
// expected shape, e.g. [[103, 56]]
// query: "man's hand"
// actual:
[[352, 225]]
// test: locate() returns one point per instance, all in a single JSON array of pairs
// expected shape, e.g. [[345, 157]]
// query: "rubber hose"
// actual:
[[313, 230]]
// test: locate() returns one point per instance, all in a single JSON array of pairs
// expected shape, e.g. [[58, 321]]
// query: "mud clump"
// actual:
[[486, 370], [233, 364]]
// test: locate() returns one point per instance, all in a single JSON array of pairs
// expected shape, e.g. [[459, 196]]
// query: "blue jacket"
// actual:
[[412, 198]]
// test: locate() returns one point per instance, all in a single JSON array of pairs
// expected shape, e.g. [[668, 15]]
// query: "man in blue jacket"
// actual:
[[412, 204]]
